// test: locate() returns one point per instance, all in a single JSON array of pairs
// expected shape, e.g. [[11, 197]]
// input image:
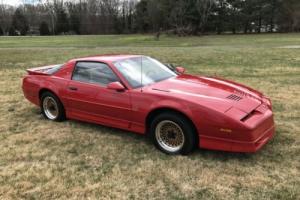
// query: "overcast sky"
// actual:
[[10, 2], [15, 2]]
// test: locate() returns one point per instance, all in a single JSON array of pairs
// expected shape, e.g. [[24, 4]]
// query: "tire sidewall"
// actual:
[[61, 111], [188, 131]]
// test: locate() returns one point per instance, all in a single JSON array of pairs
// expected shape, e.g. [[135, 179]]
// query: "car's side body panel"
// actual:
[[98, 104], [227, 116]]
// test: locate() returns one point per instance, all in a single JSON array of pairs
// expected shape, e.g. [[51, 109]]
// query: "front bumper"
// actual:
[[260, 128], [237, 146], [256, 145]]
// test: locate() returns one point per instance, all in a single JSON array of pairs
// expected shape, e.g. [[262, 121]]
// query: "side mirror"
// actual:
[[180, 70], [116, 86]]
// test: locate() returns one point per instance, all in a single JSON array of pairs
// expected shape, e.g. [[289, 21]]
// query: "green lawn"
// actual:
[[41, 159]]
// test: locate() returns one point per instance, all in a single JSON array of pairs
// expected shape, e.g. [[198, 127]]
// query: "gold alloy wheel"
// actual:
[[169, 136]]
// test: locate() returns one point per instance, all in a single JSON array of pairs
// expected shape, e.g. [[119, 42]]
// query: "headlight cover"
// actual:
[[236, 113]]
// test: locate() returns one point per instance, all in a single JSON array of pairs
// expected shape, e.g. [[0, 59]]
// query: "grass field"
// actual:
[[42, 160]]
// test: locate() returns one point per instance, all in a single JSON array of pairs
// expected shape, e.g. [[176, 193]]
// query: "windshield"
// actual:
[[141, 71]]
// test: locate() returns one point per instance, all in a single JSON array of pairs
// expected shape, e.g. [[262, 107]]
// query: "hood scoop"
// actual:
[[234, 97]]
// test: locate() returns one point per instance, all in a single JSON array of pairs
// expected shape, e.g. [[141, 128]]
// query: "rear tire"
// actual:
[[52, 108], [173, 133]]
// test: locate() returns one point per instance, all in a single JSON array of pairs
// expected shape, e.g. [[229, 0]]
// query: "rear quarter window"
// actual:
[[54, 69]]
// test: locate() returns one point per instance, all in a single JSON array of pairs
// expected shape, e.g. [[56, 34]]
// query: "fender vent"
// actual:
[[234, 97]]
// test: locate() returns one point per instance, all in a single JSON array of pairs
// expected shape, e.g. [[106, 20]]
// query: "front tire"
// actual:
[[173, 133], [51, 107]]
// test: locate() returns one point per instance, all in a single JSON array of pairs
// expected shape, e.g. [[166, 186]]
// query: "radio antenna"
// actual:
[[142, 74]]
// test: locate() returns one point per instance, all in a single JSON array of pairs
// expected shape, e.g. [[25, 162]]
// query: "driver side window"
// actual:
[[94, 72]]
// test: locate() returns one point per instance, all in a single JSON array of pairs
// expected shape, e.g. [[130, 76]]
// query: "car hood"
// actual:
[[214, 92]]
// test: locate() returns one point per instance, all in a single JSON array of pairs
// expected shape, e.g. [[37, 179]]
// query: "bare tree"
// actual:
[[204, 8], [50, 8], [290, 20], [6, 13], [177, 16]]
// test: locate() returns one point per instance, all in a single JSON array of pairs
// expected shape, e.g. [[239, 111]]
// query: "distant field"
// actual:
[[149, 41], [41, 159]]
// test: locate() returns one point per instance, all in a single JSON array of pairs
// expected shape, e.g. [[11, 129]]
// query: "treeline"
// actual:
[[181, 17]]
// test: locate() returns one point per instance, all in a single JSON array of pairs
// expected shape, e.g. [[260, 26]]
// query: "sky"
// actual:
[[11, 2], [14, 2], [18, 2]]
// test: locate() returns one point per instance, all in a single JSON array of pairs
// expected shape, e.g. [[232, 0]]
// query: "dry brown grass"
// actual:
[[74, 160]]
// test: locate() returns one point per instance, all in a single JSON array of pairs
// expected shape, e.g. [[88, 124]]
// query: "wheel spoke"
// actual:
[[169, 135]]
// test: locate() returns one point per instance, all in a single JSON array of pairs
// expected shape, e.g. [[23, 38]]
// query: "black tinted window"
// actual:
[[93, 72]]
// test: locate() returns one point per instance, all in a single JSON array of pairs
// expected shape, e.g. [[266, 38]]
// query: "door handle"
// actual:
[[73, 88]]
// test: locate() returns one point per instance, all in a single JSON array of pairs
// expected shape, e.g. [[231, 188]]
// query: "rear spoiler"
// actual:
[[46, 70]]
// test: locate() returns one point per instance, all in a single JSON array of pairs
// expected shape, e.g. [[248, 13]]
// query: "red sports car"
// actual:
[[138, 93]]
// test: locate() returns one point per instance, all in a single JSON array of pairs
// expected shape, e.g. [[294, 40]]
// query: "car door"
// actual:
[[90, 99]]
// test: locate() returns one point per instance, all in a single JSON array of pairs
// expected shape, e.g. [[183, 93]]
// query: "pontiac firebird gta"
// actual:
[[179, 112]]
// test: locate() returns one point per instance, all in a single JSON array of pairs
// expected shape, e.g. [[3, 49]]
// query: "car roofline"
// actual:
[[106, 58]]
